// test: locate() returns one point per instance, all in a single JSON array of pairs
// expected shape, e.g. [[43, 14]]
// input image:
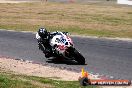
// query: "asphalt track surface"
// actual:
[[108, 58]]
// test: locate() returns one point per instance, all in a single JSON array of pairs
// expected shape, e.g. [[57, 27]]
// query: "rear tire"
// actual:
[[84, 81], [79, 58]]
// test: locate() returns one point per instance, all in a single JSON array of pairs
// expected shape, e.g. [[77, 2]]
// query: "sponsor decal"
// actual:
[[61, 47], [85, 80]]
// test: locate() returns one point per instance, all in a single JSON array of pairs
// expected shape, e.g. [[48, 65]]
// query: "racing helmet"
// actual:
[[43, 32]]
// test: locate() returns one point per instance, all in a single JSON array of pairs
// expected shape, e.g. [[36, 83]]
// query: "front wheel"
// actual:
[[79, 58]]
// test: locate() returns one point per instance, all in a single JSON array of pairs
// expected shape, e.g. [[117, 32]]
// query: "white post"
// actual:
[[128, 2]]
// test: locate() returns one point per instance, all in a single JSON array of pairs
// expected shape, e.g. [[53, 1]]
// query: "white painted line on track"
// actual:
[[82, 36]]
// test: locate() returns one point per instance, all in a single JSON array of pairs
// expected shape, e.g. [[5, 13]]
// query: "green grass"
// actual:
[[8, 80], [98, 19]]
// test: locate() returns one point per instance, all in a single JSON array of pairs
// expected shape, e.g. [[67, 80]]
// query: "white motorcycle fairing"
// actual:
[[62, 46], [61, 41]]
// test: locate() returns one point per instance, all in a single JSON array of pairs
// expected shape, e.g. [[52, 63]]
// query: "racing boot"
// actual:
[[40, 47], [48, 53]]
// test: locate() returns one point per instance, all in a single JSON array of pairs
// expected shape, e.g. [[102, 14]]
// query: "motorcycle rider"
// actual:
[[43, 37]]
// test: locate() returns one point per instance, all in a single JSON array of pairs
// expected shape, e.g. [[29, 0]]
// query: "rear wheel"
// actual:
[[84, 81], [79, 58]]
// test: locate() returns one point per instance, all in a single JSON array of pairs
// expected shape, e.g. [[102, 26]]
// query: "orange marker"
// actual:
[[84, 74]]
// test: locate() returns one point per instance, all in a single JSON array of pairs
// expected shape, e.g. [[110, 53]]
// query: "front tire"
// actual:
[[79, 58]]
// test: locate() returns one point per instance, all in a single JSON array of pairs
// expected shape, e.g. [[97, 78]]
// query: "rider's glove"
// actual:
[[66, 33]]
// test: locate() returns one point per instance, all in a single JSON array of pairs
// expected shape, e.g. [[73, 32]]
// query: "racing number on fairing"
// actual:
[[57, 40], [62, 40]]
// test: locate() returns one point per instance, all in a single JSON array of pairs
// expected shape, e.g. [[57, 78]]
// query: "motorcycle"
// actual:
[[62, 46]]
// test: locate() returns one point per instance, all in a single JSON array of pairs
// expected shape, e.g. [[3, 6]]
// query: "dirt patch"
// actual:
[[28, 68]]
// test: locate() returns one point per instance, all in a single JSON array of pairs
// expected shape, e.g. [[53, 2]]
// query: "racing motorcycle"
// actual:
[[62, 46]]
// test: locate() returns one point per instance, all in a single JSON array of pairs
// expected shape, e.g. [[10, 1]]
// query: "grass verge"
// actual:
[[8, 80], [98, 19]]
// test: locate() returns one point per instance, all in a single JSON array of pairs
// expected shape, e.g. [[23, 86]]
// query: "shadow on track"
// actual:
[[62, 61]]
